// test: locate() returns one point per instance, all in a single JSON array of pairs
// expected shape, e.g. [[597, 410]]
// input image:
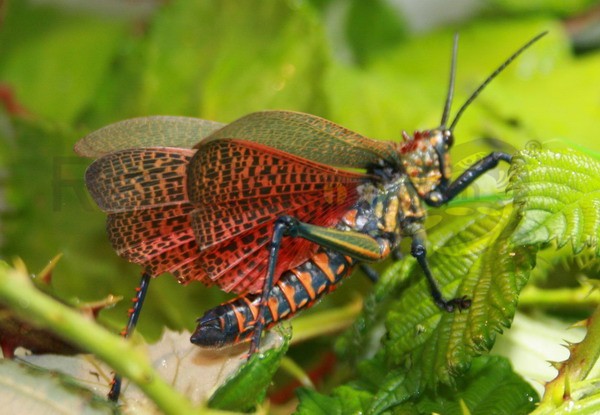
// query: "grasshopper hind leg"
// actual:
[[134, 314]]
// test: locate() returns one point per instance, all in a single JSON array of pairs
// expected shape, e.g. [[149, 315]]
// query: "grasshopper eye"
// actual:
[[448, 138]]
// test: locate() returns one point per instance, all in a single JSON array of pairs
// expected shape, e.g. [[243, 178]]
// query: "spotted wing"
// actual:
[[157, 131], [307, 136], [238, 189], [143, 190]]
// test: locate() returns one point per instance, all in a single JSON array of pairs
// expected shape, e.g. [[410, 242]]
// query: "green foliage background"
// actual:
[[75, 68]]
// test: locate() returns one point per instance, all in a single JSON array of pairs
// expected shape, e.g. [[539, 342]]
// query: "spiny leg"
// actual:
[[441, 196], [419, 251], [134, 314]]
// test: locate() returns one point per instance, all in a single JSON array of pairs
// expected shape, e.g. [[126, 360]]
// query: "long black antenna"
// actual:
[[448, 103], [491, 77]]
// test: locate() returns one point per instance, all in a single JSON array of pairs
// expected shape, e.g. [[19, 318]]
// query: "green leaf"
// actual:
[[489, 387], [469, 256], [345, 400], [27, 390], [249, 385], [393, 390], [559, 197], [315, 403]]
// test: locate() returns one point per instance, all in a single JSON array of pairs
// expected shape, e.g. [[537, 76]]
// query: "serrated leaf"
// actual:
[[470, 256], [558, 194], [489, 387], [393, 390], [345, 400], [315, 403], [27, 390], [248, 386]]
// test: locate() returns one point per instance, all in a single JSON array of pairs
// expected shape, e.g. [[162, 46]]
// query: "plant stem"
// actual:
[[297, 372], [30, 304], [564, 392], [583, 296], [318, 324]]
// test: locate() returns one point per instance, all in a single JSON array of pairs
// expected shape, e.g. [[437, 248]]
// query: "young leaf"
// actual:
[[559, 196], [249, 385]]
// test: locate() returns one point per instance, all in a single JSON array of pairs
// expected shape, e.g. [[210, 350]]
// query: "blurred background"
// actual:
[[68, 67]]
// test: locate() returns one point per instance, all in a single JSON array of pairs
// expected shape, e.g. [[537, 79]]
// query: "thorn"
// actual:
[[45, 275], [93, 309], [555, 365], [20, 266], [581, 323]]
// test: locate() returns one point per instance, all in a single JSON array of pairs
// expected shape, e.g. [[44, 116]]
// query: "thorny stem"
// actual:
[[17, 292]]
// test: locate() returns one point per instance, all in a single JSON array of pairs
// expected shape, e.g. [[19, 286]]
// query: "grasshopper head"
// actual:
[[426, 159]]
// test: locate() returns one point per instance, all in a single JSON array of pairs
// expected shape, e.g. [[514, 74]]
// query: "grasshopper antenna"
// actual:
[[450, 95], [488, 80]]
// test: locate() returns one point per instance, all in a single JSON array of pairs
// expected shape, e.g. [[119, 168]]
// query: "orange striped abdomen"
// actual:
[[297, 289]]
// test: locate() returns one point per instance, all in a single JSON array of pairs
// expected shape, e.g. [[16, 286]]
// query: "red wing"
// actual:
[[139, 178], [238, 188], [160, 238], [210, 217], [144, 192]]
